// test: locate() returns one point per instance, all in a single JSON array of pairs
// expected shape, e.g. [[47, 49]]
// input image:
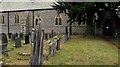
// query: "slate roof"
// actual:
[[10, 6]]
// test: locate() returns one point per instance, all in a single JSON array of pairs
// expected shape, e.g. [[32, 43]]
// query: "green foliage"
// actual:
[[76, 10]]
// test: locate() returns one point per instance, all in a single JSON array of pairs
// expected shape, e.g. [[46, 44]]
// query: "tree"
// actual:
[[86, 10]]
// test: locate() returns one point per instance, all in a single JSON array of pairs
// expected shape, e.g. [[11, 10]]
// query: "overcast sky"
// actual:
[[28, 0]]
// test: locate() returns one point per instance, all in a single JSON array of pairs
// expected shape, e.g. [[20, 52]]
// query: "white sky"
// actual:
[[28, 0], [62, 0]]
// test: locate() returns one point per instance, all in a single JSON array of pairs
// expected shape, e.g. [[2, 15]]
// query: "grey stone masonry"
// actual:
[[47, 18]]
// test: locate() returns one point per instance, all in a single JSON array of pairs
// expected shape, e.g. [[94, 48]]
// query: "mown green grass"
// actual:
[[12, 58], [80, 50]]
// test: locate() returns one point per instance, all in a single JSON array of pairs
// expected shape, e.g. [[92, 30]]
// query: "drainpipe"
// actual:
[[8, 23], [33, 18]]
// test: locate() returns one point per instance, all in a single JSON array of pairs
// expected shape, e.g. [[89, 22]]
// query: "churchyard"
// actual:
[[78, 50], [34, 38], [14, 47]]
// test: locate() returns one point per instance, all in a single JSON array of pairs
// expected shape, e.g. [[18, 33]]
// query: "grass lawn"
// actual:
[[12, 58], [81, 50], [78, 50]]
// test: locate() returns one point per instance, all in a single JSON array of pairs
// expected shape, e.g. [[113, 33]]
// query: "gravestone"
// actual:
[[16, 34], [26, 39], [9, 35], [52, 34], [52, 48], [4, 41], [57, 42], [21, 36], [13, 37], [17, 42], [37, 46], [46, 36]]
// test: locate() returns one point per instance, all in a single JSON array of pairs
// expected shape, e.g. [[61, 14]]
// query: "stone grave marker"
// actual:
[[52, 34], [16, 34], [13, 37], [26, 39], [21, 36], [4, 41], [17, 42], [9, 35], [37, 36], [52, 48], [46, 36], [57, 42]]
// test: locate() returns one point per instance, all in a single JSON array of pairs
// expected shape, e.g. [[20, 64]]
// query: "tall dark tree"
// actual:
[[86, 10]]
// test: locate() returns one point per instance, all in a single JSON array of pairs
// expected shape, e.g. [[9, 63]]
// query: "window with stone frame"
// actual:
[[58, 20], [16, 18], [37, 19]]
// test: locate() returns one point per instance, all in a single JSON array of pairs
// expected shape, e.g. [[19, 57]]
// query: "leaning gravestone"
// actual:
[[37, 46], [4, 41], [21, 36], [17, 42]]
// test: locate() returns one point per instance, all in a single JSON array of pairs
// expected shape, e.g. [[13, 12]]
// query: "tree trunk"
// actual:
[[70, 28]]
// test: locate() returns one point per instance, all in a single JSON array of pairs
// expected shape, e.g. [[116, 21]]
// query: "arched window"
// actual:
[[16, 18], [37, 19], [58, 20]]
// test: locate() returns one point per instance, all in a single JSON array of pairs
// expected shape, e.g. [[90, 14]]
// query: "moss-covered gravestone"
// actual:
[[9, 35], [26, 39], [21, 36], [13, 37], [4, 41], [17, 42], [16, 34]]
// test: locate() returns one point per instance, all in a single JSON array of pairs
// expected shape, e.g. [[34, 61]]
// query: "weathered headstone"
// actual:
[[57, 40], [52, 34], [26, 39], [58, 44], [52, 48], [4, 41], [17, 42], [46, 36], [13, 37], [21, 36], [37, 46], [9, 35], [16, 34]]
